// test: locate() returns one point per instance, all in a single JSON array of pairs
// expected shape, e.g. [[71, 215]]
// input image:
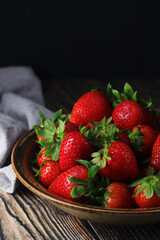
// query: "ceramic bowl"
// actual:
[[26, 148]]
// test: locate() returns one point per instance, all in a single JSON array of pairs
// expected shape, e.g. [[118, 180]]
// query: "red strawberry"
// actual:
[[144, 202], [74, 147], [155, 159], [70, 127], [129, 114], [147, 191], [119, 195], [49, 172], [117, 162], [62, 186], [92, 106], [143, 143], [41, 157]]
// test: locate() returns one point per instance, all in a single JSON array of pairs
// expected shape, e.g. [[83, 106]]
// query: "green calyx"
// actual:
[[93, 188], [54, 136], [57, 115], [101, 133], [128, 94], [99, 158], [53, 133], [136, 138], [151, 184], [42, 120]]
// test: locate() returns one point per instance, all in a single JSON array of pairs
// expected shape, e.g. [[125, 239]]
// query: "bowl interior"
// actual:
[[25, 151]]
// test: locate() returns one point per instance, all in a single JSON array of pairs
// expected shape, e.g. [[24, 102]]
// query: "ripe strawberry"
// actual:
[[147, 191], [155, 158], [74, 147], [144, 202], [142, 139], [62, 186], [81, 184], [117, 162], [70, 127], [129, 114], [119, 195], [49, 172], [42, 158], [92, 106]]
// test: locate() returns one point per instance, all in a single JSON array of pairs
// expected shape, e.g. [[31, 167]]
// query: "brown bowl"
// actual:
[[26, 148]]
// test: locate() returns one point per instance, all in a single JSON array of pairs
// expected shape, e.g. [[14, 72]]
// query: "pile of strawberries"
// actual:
[[106, 153]]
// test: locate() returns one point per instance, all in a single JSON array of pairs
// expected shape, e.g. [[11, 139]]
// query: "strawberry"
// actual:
[[117, 162], [155, 158], [42, 158], [92, 106], [147, 191], [74, 147], [70, 127], [49, 171], [81, 183], [142, 138], [129, 114], [119, 195], [144, 201], [62, 186]]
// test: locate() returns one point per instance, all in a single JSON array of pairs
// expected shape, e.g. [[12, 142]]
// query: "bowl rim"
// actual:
[[71, 204]]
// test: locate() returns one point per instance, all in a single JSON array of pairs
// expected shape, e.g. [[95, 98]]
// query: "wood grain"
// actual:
[[25, 216]]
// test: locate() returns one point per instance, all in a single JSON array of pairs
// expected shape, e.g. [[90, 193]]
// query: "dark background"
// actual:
[[90, 39]]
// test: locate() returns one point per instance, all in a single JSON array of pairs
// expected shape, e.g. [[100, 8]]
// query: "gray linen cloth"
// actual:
[[20, 100]]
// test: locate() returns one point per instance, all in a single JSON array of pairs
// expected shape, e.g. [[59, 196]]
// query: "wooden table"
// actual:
[[24, 216]]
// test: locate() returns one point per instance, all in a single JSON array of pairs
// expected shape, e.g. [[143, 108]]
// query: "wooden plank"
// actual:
[[27, 216]]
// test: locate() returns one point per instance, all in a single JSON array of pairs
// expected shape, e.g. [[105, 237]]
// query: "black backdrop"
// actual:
[[95, 39]]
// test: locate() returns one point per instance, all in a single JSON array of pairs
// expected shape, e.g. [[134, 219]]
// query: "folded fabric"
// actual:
[[20, 100]]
